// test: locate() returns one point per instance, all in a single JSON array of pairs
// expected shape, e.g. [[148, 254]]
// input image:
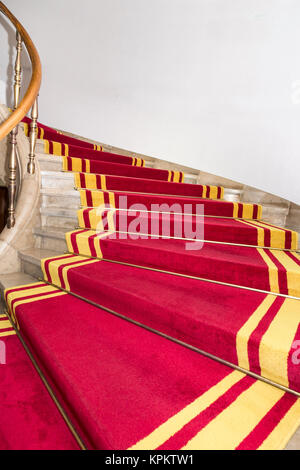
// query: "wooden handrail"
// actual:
[[35, 82]]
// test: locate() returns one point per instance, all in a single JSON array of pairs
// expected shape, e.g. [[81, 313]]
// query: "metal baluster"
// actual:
[[12, 164], [33, 137]]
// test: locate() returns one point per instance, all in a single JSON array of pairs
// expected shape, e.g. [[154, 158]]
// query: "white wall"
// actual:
[[212, 84]]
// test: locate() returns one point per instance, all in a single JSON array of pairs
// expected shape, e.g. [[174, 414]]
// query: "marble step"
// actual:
[[49, 162], [64, 198], [13, 280], [57, 179], [58, 217], [50, 238], [31, 261]]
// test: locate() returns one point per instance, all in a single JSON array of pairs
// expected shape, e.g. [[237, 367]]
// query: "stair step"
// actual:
[[242, 266], [93, 181], [13, 280], [31, 261], [131, 371], [57, 180], [232, 195], [29, 418], [171, 305], [109, 168], [69, 199], [49, 162], [59, 217], [165, 203], [216, 229], [50, 238]]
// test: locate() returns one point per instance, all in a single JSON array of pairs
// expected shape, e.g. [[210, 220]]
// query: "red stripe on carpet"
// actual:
[[47, 262], [82, 179], [282, 273], [265, 427], [73, 239], [86, 218], [256, 336], [32, 296], [92, 245], [293, 257], [17, 289], [181, 438]]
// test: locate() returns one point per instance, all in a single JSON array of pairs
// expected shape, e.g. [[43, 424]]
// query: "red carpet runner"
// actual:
[[29, 417], [127, 388]]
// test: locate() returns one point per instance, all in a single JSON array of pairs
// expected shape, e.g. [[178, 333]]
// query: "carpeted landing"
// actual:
[[118, 324]]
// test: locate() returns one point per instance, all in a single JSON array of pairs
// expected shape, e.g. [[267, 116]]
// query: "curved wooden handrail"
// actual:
[[35, 82]]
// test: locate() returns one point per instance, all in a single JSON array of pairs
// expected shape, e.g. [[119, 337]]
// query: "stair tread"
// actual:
[[244, 266], [29, 418], [218, 229], [171, 305], [35, 255], [93, 180], [15, 279], [51, 231], [112, 373]]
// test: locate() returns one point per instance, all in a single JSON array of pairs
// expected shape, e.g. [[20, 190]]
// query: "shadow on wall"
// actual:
[[8, 77]]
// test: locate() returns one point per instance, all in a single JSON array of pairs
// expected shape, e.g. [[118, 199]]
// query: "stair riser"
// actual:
[[56, 221], [232, 195], [47, 165], [56, 182], [49, 243], [32, 269], [69, 202]]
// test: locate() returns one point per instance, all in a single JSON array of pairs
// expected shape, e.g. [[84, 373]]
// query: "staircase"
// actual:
[[194, 331], [60, 202]]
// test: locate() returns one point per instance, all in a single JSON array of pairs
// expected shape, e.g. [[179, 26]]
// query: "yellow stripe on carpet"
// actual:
[[247, 329], [292, 271], [280, 436], [43, 261], [176, 178], [57, 149], [98, 198], [65, 266], [184, 416], [260, 232], [235, 210], [5, 324], [33, 299], [234, 424], [36, 289], [278, 235], [273, 271], [46, 146], [276, 343], [3, 334], [83, 242]]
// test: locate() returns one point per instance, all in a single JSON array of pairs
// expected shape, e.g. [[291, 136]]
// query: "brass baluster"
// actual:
[[12, 164], [33, 137]]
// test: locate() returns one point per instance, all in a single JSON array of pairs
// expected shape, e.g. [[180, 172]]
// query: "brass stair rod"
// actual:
[[12, 164]]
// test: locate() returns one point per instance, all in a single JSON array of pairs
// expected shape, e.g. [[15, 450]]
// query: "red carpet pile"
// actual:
[[155, 256]]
